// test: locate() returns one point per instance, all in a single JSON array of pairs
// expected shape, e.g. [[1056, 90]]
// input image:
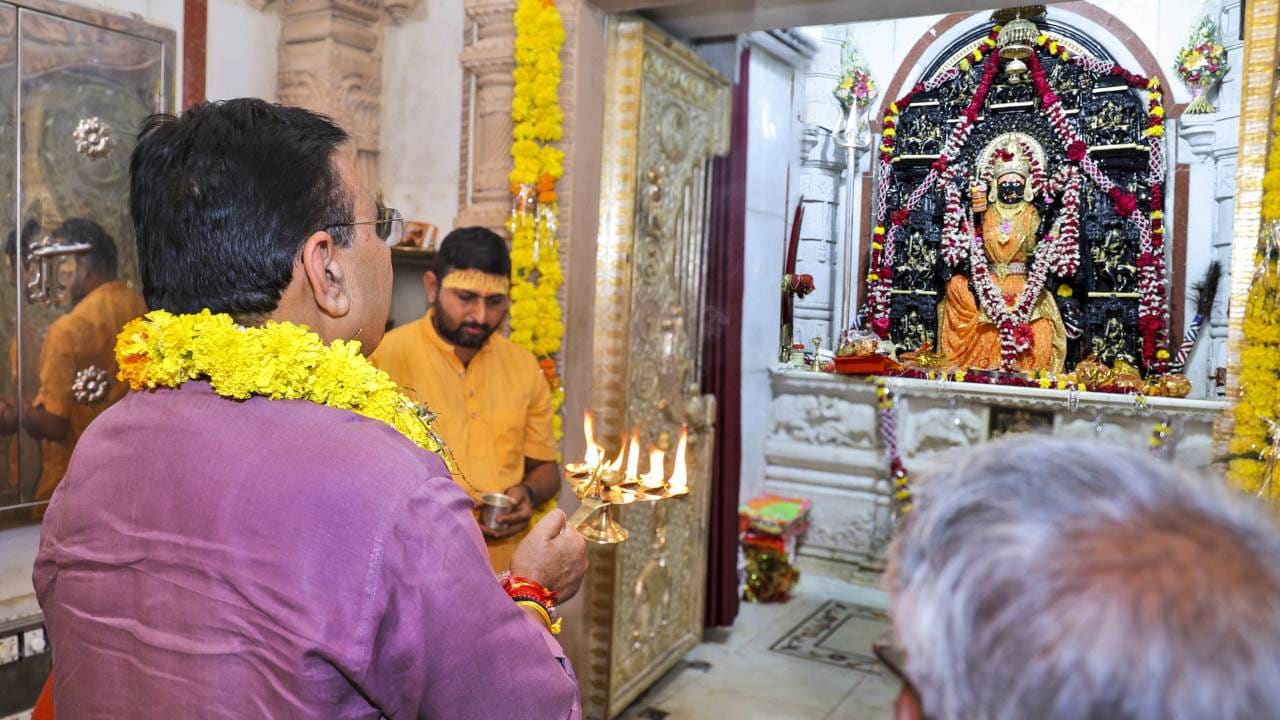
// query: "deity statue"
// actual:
[[1010, 226]]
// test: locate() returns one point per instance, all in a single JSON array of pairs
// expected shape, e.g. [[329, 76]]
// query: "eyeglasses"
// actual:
[[389, 226]]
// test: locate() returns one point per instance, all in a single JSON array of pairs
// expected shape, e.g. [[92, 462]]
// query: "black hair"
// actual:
[[472, 248], [30, 229], [102, 255], [223, 198]]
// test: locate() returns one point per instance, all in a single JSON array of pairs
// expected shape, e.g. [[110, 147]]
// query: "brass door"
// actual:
[[78, 89], [666, 116]]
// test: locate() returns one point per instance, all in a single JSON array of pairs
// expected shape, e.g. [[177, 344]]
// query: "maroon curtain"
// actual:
[[722, 356]]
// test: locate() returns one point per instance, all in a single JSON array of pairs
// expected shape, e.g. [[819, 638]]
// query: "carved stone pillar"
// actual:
[[487, 61], [331, 62], [820, 167]]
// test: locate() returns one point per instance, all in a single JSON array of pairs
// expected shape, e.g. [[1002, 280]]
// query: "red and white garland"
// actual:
[[887, 415], [960, 234]]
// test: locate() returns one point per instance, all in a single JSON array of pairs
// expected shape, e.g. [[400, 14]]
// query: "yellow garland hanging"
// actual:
[[281, 361], [1259, 403], [536, 274]]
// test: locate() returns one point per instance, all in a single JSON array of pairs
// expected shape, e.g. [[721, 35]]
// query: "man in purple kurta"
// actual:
[[205, 557]]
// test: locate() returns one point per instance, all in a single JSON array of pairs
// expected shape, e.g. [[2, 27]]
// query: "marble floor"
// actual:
[[736, 672]]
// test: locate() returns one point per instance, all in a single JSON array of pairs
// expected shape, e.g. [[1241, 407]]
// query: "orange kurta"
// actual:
[[83, 338], [493, 413], [968, 337]]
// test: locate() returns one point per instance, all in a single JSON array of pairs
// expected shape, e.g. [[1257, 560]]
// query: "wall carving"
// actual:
[[823, 420], [331, 62], [824, 444]]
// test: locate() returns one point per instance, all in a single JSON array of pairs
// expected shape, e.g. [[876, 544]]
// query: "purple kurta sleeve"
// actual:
[[445, 641]]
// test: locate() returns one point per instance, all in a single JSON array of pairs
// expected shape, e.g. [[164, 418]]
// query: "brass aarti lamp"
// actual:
[[602, 485]]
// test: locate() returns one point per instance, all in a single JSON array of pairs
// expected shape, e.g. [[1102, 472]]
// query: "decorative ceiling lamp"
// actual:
[[1017, 40]]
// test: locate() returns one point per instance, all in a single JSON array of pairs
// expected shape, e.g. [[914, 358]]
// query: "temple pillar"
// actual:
[[822, 163], [331, 62], [488, 57], [1209, 144]]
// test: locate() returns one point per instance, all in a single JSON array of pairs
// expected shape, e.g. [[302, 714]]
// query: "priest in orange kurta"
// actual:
[[1010, 225], [491, 399]]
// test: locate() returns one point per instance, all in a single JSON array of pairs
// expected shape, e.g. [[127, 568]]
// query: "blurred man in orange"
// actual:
[[77, 361], [492, 400]]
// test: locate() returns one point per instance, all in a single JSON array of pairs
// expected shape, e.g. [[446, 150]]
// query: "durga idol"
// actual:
[[985, 322]]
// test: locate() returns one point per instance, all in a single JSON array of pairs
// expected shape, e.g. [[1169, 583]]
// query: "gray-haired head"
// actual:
[[1042, 578]]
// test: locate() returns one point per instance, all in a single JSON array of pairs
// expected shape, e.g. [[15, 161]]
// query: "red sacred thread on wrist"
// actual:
[[524, 591], [522, 588]]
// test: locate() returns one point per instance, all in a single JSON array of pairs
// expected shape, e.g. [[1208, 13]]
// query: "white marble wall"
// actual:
[[422, 113], [770, 153]]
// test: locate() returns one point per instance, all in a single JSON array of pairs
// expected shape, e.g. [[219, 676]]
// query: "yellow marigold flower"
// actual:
[[1155, 131], [1157, 215], [964, 65], [1053, 47], [1157, 111], [1065, 291], [1042, 39], [1162, 354], [890, 132], [977, 56]]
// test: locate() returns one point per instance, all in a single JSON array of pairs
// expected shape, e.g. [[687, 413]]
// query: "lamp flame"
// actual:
[[595, 454], [657, 475], [633, 456], [679, 479]]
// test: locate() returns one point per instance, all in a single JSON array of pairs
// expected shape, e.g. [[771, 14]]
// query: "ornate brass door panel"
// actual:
[[666, 116], [76, 84]]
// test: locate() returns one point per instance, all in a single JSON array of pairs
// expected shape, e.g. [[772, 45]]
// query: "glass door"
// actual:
[[83, 92]]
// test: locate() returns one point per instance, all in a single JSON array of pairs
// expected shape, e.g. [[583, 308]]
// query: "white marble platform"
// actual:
[[823, 442]]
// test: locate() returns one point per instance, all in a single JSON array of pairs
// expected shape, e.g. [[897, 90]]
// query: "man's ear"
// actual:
[[325, 275], [431, 284]]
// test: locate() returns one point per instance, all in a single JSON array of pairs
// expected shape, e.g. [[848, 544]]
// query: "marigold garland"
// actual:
[[279, 360], [536, 274], [1259, 402]]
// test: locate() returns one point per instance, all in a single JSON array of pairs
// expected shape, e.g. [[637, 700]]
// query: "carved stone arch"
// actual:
[[934, 41]]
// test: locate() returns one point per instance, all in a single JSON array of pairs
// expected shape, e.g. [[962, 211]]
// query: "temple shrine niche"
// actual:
[[1019, 207]]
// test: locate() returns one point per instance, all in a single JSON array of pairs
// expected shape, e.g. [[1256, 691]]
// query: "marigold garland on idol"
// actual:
[[602, 484]]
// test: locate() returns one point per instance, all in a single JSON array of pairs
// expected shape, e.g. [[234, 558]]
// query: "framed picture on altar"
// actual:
[[1008, 421]]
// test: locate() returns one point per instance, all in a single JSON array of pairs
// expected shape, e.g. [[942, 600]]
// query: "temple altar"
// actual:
[[824, 442]]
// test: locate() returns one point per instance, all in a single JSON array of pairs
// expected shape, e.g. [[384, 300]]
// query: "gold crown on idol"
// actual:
[[1010, 159]]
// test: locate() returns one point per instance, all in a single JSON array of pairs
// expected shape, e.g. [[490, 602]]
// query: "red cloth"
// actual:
[[44, 703], [722, 353]]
